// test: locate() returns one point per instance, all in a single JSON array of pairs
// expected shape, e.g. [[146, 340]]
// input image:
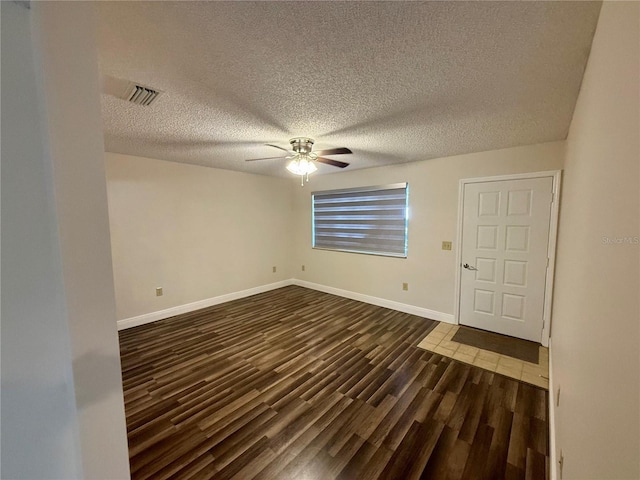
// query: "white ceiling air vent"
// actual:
[[141, 95]]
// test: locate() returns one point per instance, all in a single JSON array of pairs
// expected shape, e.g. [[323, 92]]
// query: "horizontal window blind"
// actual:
[[362, 220]]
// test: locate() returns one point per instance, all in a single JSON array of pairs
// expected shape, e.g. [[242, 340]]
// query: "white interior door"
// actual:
[[505, 238]]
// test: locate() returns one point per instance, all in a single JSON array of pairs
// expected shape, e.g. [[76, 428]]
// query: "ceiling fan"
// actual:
[[302, 160]]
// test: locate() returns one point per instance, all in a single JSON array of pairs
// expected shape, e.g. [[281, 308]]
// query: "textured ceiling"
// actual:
[[393, 81]]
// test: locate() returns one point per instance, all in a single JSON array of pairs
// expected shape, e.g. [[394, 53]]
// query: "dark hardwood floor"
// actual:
[[298, 384]]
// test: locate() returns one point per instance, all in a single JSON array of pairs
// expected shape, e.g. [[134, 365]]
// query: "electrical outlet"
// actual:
[[158, 291], [274, 269], [558, 397], [405, 286], [303, 268], [446, 245]]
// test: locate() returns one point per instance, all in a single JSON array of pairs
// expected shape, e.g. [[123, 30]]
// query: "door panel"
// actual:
[[505, 237]]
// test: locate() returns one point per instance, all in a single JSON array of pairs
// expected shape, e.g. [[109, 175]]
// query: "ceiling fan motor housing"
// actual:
[[301, 144]]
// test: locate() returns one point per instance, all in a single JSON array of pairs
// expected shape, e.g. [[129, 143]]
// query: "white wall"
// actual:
[[433, 209], [73, 204], [40, 434], [197, 232], [596, 314]]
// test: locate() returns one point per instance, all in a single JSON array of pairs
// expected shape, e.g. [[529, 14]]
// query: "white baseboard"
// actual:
[[552, 420], [380, 302], [208, 302], [190, 307]]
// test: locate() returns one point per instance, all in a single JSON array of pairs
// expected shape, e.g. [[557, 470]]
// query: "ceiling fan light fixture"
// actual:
[[302, 165]]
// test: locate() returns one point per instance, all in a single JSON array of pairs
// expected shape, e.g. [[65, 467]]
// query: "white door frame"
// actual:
[[556, 175]]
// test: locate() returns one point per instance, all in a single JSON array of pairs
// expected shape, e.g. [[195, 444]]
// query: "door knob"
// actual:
[[469, 267]]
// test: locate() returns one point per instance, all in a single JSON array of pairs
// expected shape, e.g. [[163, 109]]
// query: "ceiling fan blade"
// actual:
[[334, 163], [267, 158], [333, 151], [276, 146]]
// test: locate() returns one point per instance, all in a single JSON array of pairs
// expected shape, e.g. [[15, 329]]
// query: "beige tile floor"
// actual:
[[439, 341]]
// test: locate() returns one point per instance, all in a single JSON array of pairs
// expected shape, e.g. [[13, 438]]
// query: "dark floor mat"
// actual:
[[510, 346]]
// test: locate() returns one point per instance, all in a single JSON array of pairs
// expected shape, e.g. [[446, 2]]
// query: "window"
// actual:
[[363, 220]]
